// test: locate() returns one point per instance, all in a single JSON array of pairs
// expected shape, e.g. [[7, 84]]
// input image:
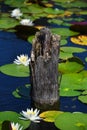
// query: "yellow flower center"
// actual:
[[29, 112], [14, 128], [23, 59]]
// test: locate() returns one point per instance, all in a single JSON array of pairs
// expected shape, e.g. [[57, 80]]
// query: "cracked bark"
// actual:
[[44, 69]]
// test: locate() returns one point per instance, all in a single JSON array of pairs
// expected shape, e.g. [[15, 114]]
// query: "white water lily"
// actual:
[[31, 114], [16, 126], [16, 13], [26, 22], [22, 59]]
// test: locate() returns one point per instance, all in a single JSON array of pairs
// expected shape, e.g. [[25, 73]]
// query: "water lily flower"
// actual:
[[16, 13], [26, 22], [16, 126], [31, 115], [22, 59]]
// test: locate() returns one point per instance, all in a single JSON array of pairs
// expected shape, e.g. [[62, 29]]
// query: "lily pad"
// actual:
[[13, 117], [83, 99], [72, 49], [50, 116], [71, 121], [63, 32], [69, 92], [53, 11], [72, 65], [17, 3], [4, 23], [15, 70]]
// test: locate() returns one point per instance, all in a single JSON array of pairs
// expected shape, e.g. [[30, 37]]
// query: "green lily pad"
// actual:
[[83, 99], [63, 42], [50, 116], [65, 32], [24, 91], [71, 82], [17, 3], [71, 121], [86, 59], [55, 21], [30, 38], [53, 11], [72, 65], [65, 55], [67, 52], [62, 1], [15, 70], [13, 117], [15, 94], [72, 49], [68, 92], [4, 23]]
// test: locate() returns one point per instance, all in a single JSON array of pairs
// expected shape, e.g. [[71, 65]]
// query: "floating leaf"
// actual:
[[18, 3], [15, 94], [24, 91], [53, 11], [64, 55], [50, 116], [63, 1], [86, 59], [72, 49], [13, 117], [55, 21], [71, 121], [81, 40], [63, 42], [71, 66], [4, 23], [30, 38], [63, 31], [69, 92], [15, 70]]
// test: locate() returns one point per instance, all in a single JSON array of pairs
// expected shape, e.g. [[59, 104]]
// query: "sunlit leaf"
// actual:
[[15, 70], [81, 40], [71, 121], [13, 117], [50, 116]]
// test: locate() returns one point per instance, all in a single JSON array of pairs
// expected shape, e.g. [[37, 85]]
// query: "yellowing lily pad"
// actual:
[[81, 40], [71, 121], [15, 70], [50, 116]]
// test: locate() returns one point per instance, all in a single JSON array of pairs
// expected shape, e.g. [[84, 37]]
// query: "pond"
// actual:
[[67, 18]]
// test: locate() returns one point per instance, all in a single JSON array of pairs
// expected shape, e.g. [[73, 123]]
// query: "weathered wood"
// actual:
[[44, 69]]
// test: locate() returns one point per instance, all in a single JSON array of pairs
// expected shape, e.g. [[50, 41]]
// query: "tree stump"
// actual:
[[44, 69]]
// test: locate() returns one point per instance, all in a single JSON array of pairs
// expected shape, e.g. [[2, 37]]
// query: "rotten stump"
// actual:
[[44, 69]]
